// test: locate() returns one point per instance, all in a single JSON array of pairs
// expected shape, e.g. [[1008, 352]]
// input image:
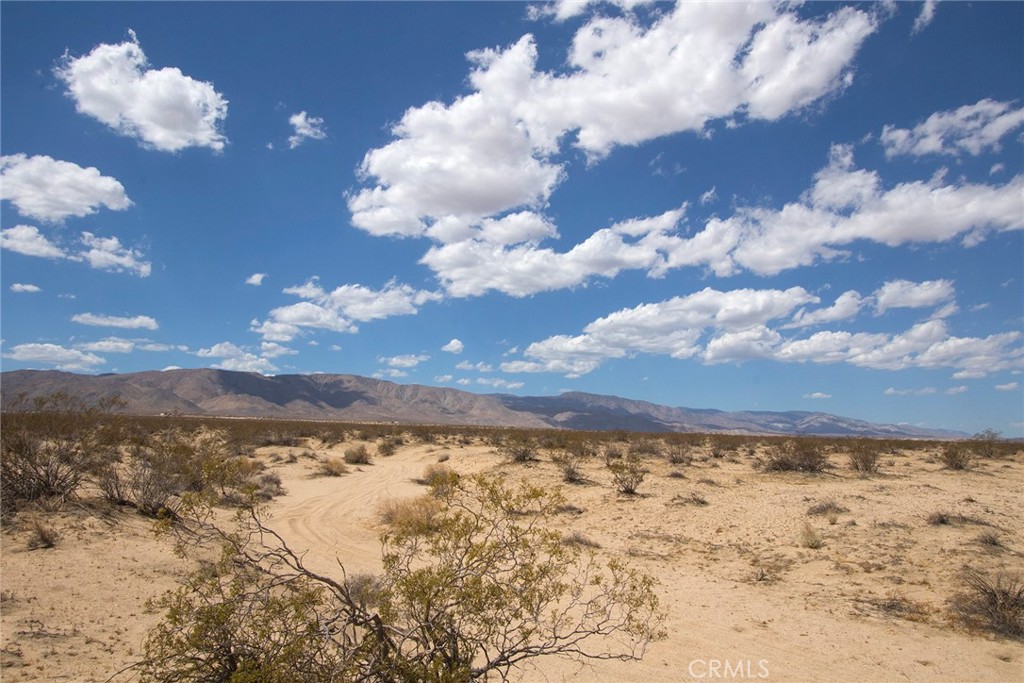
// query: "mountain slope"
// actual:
[[355, 398]]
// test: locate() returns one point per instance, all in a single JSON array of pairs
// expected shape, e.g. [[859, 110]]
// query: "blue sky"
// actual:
[[769, 206]]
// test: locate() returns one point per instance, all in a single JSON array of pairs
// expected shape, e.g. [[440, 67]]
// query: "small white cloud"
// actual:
[[306, 128], [139, 322], [408, 361], [163, 108], [234, 357], [479, 367], [273, 350], [27, 240], [952, 391], [708, 197], [443, 379], [49, 190], [818, 395], [454, 346], [972, 128], [925, 16], [926, 391], [25, 288], [256, 279], [107, 253], [906, 294], [1009, 386]]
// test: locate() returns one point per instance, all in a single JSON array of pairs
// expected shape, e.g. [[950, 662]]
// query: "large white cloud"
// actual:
[[51, 190], [491, 150], [844, 205], [163, 108]]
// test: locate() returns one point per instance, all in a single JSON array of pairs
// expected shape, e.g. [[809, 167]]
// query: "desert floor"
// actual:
[[745, 597]]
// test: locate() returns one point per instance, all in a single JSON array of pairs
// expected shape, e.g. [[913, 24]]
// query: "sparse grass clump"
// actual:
[[809, 538], [357, 455], [990, 604], [331, 467], [826, 507], [578, 538], [571, 465], [41, 535]]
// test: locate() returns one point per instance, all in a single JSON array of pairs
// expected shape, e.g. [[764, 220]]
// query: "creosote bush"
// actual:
[[484, 586], [628, 474], [955, 456], [864, 457], [796, 456]]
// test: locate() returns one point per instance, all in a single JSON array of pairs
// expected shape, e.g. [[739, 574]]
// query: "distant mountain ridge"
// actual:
[[355, 398]]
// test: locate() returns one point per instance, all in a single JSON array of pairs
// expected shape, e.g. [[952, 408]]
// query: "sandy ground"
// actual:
[[745, 598]]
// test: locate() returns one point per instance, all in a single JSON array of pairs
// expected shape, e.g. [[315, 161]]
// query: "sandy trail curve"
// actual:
[[331, 519]]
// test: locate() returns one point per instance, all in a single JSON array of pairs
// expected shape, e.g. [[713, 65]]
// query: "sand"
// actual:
[[745, 597]]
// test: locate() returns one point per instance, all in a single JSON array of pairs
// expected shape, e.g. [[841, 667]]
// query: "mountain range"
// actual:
[[362, 399]]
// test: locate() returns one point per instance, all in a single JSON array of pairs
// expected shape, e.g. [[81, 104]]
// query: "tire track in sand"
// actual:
[[331, 519]]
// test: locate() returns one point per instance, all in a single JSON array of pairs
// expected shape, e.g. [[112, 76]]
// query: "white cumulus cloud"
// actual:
[[163, 108], [27, 240], [50, 190], [454, 346], [256, 279], [233, 357], [24, 288]]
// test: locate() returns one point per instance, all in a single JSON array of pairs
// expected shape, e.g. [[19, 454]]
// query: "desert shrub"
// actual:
[[991, 604], [487, 575], [440, 478], [990, 444], [388, 446], [111, 481], [864, 457], [954, 456], [357, 455], [331, 467], [644, 447], [571, 465], [268, 486], [679, 455], [611, 454], [50, 445], [519, 450], [628, 474], [796, 456]]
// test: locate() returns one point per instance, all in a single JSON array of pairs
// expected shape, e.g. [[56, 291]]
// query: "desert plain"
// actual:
[[829, 576]]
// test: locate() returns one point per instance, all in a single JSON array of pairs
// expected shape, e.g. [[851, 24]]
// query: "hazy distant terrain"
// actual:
[[355, 398]]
